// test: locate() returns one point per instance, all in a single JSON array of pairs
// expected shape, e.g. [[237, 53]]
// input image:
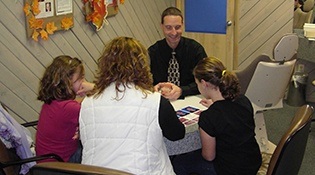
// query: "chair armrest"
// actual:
[[51, 168], [30, 124], [31, 159]]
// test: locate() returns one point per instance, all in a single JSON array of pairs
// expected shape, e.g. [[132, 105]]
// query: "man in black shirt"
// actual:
[[186, 51]]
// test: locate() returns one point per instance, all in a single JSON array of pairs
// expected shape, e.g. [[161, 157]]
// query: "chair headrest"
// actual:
[[286, 48], [308, 5]]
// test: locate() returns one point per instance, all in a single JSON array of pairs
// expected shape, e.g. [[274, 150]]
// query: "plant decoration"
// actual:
[[96, 11], [39, 29]]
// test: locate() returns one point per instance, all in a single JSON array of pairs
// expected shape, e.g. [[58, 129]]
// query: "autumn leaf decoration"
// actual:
[[39, 29], [66, 23], [96, 12]]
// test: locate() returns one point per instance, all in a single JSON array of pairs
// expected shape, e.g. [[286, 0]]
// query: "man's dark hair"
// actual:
[[171, 11]]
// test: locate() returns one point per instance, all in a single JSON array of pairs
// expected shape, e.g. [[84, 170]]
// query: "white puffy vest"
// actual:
[[124, 134]]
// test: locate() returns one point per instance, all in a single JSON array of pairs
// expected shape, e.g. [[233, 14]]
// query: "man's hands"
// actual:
[[168, 90]]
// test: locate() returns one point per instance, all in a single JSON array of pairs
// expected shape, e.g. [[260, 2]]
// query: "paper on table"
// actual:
[[188, 109], [188, 101]]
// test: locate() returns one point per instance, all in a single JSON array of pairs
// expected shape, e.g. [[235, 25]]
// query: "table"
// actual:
[[191, 141]]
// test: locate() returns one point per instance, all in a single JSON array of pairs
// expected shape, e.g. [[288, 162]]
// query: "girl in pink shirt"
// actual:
[[57, 130]]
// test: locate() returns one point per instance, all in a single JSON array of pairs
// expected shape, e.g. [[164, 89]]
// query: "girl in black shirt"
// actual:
[[227, 127]]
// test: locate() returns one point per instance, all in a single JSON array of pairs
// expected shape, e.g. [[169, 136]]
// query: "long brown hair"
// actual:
[[213, 71], [56, 82], [125, 62]]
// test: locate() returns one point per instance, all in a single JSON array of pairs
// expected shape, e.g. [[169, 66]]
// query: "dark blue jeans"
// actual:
[[76, 156], [192, 163]]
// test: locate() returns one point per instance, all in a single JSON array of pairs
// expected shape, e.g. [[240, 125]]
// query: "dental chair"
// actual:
[[265, 82]]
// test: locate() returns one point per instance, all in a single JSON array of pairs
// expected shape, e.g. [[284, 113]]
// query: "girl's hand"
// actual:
[[206, 102], [76, 134], [85, 87]]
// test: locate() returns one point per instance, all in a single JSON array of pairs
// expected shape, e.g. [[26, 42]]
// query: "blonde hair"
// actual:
[[125, 62]]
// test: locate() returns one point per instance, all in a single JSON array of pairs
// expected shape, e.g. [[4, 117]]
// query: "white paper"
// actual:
[[63, 7]]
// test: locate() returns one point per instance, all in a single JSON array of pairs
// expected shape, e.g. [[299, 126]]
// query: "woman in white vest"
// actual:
[[123, 122]]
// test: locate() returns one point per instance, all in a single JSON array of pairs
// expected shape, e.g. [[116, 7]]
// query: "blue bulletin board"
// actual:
[[206, 16]]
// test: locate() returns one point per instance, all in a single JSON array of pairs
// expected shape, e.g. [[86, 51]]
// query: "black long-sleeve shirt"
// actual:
[[171, 127], [188, 54]]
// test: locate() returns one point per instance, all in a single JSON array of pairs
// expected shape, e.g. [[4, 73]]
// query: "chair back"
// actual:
[[308, 5], [245, 75], [5, 156], [289, 153], [268, 84], [286, 48], [66, 168], [302, 16]]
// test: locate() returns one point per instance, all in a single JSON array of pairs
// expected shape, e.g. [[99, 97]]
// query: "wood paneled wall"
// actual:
[[23, 61], [261, 25]]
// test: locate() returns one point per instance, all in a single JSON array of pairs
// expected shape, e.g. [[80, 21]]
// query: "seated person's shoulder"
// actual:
[[157, 46], [243, 101]]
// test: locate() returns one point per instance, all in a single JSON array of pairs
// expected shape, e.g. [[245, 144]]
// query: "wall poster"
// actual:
[[206, 16]]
